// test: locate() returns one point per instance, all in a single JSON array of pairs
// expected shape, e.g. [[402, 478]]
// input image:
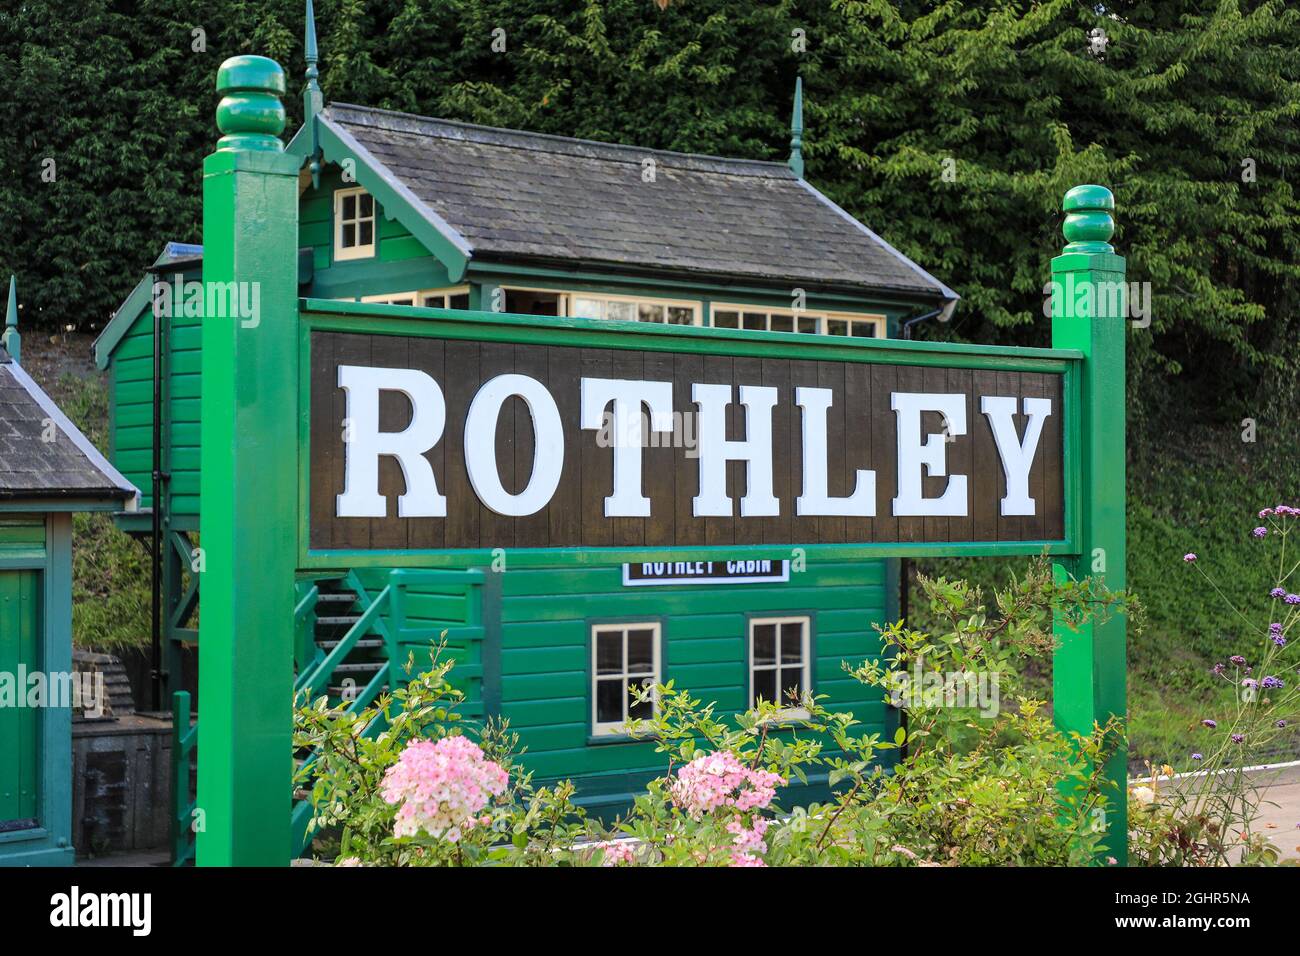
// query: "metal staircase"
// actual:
[[351, 644], [338, 609]]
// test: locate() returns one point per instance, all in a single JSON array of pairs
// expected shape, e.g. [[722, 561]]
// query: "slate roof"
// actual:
[[518, 195], [33, 468]]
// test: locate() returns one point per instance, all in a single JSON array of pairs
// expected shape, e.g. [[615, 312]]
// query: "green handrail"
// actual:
[[304, 624], [184, 748], [314, 678], [384, 615]]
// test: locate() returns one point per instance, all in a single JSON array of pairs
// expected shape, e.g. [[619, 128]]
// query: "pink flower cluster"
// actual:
[[441, 786], [748, 840], [718, 780], [617, 852]]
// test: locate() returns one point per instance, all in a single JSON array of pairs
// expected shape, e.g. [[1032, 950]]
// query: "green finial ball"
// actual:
[[1089, 220], [250, 113]]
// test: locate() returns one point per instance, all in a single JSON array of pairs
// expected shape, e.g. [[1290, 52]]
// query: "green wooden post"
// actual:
[[1088, 314], [249, 480]]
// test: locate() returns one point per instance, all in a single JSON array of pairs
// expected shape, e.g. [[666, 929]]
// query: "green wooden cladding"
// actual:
[[533, 670], [132, 391], [35, 743], [21, 638]]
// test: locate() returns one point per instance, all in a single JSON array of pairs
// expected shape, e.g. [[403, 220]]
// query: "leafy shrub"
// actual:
[[979, 784], [1208, 819]]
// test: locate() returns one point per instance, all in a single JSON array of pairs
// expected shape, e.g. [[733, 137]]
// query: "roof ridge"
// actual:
[[566, 145]]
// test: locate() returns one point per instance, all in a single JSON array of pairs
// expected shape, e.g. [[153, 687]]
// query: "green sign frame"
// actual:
[[253, 524]]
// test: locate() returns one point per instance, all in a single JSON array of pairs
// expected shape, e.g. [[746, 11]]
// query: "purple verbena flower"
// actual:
[[1275, 628], [1238, 660], [1238, 738], [1260, 532], [1292, 599], [1207, 722], [1281, 724], [1266, 512], [1197, 757], [1218, 669], [1272, 683], [1279, 640], [1277, 593], [1189, 557]]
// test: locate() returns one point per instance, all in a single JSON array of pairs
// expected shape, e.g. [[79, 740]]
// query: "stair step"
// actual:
[[341, 619], [365, 667], [339, 597], [376, 642]]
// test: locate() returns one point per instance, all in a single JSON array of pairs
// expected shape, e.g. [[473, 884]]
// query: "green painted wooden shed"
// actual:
[[418, 212], [48, 471]]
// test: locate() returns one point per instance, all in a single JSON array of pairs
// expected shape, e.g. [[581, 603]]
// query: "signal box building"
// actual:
[[425, 215]]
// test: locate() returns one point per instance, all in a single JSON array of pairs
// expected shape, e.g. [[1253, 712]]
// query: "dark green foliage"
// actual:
[[1184, 94]]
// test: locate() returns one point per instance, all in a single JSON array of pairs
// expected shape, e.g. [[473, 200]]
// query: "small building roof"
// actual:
[[512, 195], [44, 458]]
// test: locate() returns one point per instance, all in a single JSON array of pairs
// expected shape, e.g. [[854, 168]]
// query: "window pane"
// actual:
[[640, 651], [350, 207], [349, 235], [782, 323], [460, 301], [620, 311], [610, 696], [367, 205], [726, 320], [765, 685], [865, 330], [837, 327], [756, 321], [609, 652], [434, 301], [791, 678], [367, 232], [649, 312], [525, 302], [764, 644], [791, 643], [643, 710], [680, 315], [401, 301], [808, 324], [584, 308]]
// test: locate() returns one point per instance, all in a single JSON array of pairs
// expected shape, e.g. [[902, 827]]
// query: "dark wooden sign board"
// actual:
[[862, 433]]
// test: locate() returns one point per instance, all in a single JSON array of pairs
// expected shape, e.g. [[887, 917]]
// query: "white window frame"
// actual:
[[621, 728], [697, 311], [823, 317], [342, 254], [805, 652], [418, 296], [561, 306]]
